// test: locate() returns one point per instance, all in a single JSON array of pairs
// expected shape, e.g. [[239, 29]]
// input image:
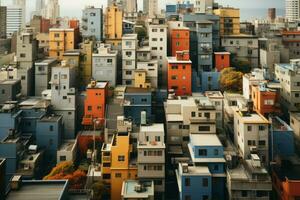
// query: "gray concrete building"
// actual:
[[43, 74], [105, 64], [3, 12], [92, 23], [10, 90]]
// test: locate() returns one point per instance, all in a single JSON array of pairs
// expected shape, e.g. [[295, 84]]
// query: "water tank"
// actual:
[[143, 118]]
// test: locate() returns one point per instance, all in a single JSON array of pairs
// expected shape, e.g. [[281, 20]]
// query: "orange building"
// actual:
[[180, 40], [94, 104], [222, 60], [265, 100], [180, 73], [286, 181]]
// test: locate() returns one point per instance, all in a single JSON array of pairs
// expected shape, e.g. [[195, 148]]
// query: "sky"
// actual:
[[72, 8]]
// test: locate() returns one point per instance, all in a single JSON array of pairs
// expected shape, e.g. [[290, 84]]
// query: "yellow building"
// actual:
[[86, 66], [60, 40], [114, 25], [117, 163], [140, 79], [229, 20]]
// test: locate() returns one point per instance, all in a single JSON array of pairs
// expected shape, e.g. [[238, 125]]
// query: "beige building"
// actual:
[[229, 20], [67, 151], [295, 123], [114, 26]]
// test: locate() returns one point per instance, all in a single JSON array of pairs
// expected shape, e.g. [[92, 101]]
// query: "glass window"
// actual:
[[202, 152]]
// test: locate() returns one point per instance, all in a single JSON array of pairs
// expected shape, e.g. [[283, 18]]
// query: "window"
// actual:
[[128, 72], [216, 152], [269, 102], [144, 100], [3, 91], [262, 143], [157, 138], [261, 128], [204, 128], [89, 108], [23, 77], [40, 68], [51, 128], [162, 30], [244, 193], [128, 62], [207, 115], [205, 182], [128, 53], [154, 30], [193, 114], [174, 67], [202, 152], [205, 197], [187, 182], [62, 158], [64, 97], [187, 197], [174, 77], [109, 61], [251, 142], [121, 158], [106, 176], [216, 167], [56, 35], [249, 128], [118, 175], [262, 193]]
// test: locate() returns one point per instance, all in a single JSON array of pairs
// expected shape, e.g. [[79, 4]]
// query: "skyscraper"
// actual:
[[130, 6], [292, 9], [39, 7], [14, 20], [150, 7], [52, 10], [3, 22], [21, 4], [271, 14]]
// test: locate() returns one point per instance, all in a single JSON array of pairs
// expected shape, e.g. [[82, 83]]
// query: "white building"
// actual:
[[217, 99], [129, 47], [63, 97], [158, 45], [251, 135], [203, 6], [150, 7], [105, 65], [14, 20], [67, 151], [292, 9], [131, 6], [52, 10], [254, 78], [22, 4], [92, 22]]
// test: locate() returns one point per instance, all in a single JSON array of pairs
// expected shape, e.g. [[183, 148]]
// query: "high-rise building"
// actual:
[[131, 6], [22, 4], [3, 12], [40, 7], [52, 11], [92, 23], [150, 7], [292, 9], [14, 21], [271, 14], [229, 20], [203, 6], [114, 25]]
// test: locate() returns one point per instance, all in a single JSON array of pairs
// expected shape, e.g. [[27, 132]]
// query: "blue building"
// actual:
[[171, 10], [281, 139], [210, 81], [207, 150], [194, 182], [32, 109], [137, 100], [10, 118], [49, 133]]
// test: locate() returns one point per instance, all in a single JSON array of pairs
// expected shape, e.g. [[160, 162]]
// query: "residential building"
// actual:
[[10, 115], [3, 17], [292, 9], [251, 135], [114, 26], [288, 76], [256, 77], [129, 47], [87, 49], [49, 133], [281, 139], [8, 73], [229, 20], [151, 156], [209, 81], [137, 101], [52, 11], [249, 180], [194, 182], [222, 60], [158, 45], [150, 7], [180, 40], [95, 104], [265, 99], [217, 99], [14, 20], [118, 163], [10, 90], [295, 124], [243, 48], [286, 178], [180, 73], [271, 14], [43, 74], [63, 97], [2, 177], [140, 79], [290, 39], [92, 23], [67, 151], [105, 65], [203, 6], [61, 40], [131, 6], [206, 150], [132, 189]]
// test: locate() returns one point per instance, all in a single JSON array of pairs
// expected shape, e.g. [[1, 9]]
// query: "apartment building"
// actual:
[[92, 23], [114, 26], [10, 90], [129, 47], [222, 60], [203, 6], [180, 40], [290, 39], [104, 66], [150, 7], [87, 49], [229, 20], [14, 20], [251, 135], [292, 10], [61, 40], [142, 190], [217, 99], [252, 79]]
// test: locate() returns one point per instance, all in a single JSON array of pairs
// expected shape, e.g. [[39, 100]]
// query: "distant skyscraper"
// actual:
[[271, 14], [292, 9], [22, 4], [3, 21], [39, 6], [150, 7], [130, 6], [14, 19], [52, 10], [203, 6]]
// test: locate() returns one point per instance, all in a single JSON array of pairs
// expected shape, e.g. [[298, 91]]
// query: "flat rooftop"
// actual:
[[99, 85], [34, 103], [128, 189], [279, 125], [214, 94], [251, 118], [205, 140], [67, 145], [137, 90], [37, 190], [152, 128], [9, 82], [50, 118], [174, 60], [46, 61]]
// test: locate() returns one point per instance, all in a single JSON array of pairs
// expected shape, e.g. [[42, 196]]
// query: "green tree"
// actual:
[[231, 80], [99, 190]]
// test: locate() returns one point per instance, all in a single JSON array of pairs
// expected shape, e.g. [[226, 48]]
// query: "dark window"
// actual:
[[89, 108], [193, 114], [205, 182], [204, 128], [118, 175], [62, 158], [244, 193], [204, 197], [121, 158], [261, 128], [51, 128], [202, 152], [187, 182]]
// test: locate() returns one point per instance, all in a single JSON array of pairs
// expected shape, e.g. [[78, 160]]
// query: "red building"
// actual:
[[180, 73], [222, 60], [180, 40], [265, 99], [94, 104]]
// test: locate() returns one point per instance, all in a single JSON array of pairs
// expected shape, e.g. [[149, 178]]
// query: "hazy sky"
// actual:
[[72, 8]]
